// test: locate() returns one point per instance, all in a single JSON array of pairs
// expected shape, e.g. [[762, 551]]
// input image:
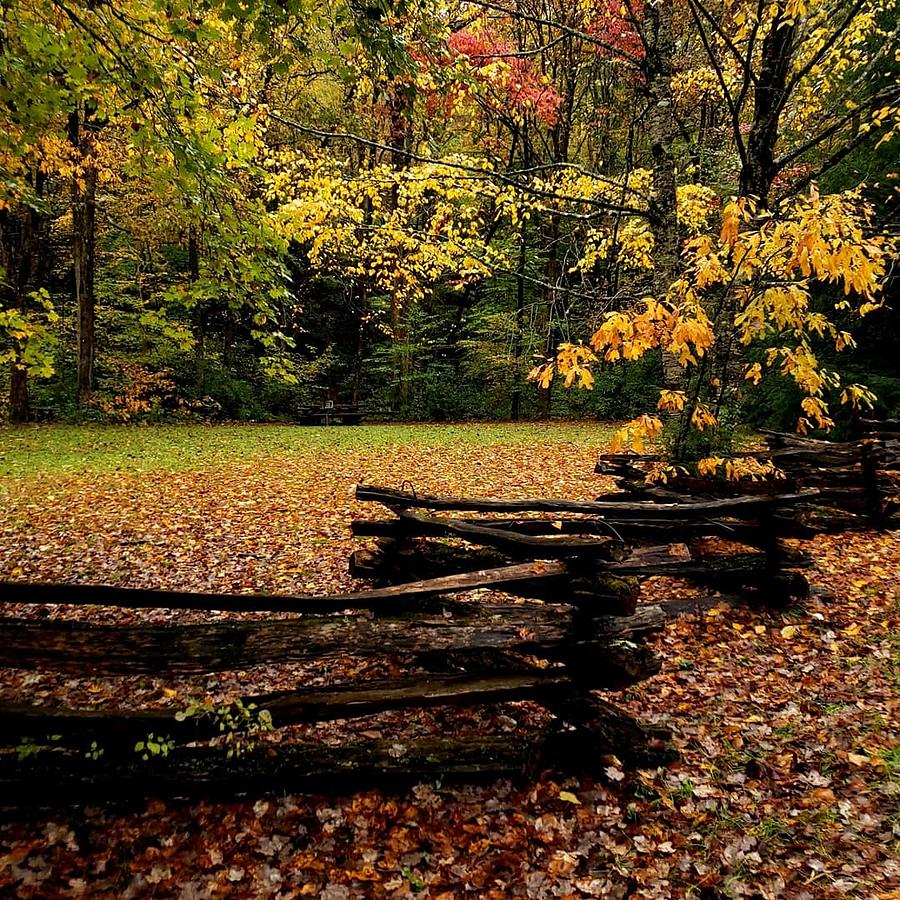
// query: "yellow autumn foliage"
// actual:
[[750, 279], [399, 230]]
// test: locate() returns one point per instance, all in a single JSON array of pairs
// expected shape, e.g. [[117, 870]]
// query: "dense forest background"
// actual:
[[234, 211]]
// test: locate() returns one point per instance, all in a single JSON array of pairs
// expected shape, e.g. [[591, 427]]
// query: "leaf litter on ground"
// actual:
[[788, 722]]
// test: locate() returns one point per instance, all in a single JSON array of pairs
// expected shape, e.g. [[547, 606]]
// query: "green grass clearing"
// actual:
[[27, 451]]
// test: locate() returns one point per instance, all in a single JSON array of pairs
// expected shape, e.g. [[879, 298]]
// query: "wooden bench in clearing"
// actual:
[[338, 414]]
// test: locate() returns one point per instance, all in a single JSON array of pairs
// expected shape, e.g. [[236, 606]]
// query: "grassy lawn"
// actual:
[[71, 449]]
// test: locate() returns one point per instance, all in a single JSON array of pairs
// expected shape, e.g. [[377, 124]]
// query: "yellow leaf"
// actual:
[[754, 373], [672, 401], [789, 631], [569, 797]]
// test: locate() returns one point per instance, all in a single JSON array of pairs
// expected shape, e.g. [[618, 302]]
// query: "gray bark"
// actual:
[[662, 129]]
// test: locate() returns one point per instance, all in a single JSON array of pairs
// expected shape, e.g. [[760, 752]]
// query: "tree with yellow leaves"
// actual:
[[780, 275]]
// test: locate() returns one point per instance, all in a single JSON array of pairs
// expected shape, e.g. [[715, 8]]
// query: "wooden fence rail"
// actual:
[[857, 482], [619, 509], [464, 652]]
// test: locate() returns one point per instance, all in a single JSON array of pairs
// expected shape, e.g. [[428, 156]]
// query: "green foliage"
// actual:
[[622, 392], [28, 338], [721, 441], [776, 398], [237, 723], [154, 745], [28, 747], [775, 403], [374, 202]]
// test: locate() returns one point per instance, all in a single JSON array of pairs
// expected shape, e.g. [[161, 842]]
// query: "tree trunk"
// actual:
[[759, 170], [229, 337], [84, 206], [662, 130], [398, 108], [22, 263], [551, 276], [199, 316], [19, 406], [515, 411], [359, 350]]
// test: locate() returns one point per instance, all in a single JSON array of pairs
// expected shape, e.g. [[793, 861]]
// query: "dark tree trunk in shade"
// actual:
[[554, 274], [22, 261], [360, 307], [84, 214], [769, 95], [229, 337], [199, 314], [515, 412], [551, 277], [19, 404], [398, 139]]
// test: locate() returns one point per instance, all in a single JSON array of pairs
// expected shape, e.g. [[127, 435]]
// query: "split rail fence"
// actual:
[[560, 624]]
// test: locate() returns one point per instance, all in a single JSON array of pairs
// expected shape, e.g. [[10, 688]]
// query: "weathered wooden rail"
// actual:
[[856, 482], [614, 508], [622, 535], [458, 650], [209, 769]]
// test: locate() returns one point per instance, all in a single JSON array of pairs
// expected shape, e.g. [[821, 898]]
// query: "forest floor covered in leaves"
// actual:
[[788, 723]]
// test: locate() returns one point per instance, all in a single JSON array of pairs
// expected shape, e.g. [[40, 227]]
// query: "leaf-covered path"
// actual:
[[788, 723]]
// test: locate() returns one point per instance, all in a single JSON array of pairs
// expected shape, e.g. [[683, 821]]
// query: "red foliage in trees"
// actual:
[[787, 177], [614, 25], [516, 77]]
